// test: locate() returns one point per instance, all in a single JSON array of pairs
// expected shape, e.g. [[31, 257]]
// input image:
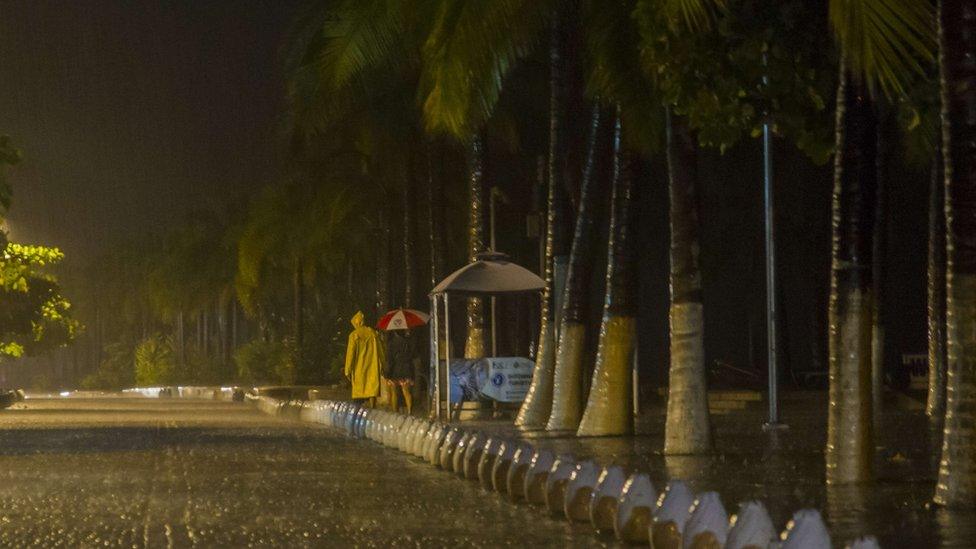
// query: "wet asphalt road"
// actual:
[[139, 472]]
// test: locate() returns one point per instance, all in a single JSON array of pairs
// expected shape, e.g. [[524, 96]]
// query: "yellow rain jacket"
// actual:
[[365, 357]]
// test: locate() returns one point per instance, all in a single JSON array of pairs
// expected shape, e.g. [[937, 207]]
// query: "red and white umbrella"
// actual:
[[402, 319]]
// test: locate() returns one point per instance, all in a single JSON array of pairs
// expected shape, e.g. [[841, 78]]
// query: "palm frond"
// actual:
[[364, 34], [695, 15], [304, 37], [885, 42], [615, 74], [470, 49]]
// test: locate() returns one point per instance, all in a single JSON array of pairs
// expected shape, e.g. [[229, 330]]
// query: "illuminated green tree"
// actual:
[[34, 315]]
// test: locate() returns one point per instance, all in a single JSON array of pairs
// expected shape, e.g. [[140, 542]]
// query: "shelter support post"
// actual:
[[436, 356], [635, 385], [494, 328], [447, 357]]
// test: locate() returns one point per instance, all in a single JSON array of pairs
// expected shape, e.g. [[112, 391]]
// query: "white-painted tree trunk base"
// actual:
[[568, 378], [688, 426], [609, 406], [956, 486], [850, 444], [535, 410]]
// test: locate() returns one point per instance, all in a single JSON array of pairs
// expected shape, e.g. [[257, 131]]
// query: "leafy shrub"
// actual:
[[266, 361], [155, 364], [117, 369]]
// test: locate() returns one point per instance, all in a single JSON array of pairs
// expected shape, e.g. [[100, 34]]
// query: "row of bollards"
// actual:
[[627, 506]]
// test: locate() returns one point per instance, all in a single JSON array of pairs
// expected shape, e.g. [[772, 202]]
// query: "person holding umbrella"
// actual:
[[401, 354]]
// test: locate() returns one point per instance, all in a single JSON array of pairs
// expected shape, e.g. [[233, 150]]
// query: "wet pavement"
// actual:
[[139, 472]]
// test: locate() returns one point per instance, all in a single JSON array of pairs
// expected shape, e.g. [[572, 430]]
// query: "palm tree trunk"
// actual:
[[567, 399], [535, 410], [561, 57], [233, 326], [687, 427], [935, 406], [407, 247], [383, 265], [205, 330], [474, 346], [225, 346], [299, 307], [609, 407], [849, 438], [878, 256], [434, 230], [957, 471], [181, 338]]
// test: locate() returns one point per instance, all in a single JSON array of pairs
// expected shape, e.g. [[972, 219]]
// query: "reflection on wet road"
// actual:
[[785, 470], [133, 472]]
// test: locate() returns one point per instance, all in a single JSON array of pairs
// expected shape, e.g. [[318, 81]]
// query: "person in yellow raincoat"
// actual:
[[365, 357]]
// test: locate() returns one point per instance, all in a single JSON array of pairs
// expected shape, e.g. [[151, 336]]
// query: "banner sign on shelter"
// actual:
[[506, 379], [503, 379]]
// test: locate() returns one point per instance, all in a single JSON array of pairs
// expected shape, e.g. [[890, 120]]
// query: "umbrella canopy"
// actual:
[[402, 319], [491, 274]]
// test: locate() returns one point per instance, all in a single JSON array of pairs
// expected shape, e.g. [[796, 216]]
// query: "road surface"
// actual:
[[139, 472]]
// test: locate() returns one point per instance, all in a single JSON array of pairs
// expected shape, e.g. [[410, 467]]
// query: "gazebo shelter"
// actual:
[[492, 276]]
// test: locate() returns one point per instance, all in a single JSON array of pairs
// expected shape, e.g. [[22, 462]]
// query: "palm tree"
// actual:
[[537, 407], [9, 156], [849, 434], [567, 399], [882, 44], [292, 232], [957, 470], [407, 249], [687, 428], [474, 346], [879, 251], [935, 404], [609, 405], [434, 225]]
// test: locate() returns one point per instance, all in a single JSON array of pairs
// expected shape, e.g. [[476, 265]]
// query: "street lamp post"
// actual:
[[771, 350]]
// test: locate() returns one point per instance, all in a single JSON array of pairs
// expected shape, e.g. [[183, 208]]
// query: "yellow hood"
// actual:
[[357, 319]]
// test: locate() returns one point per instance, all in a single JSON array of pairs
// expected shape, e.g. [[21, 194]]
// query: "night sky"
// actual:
[[132, 112]]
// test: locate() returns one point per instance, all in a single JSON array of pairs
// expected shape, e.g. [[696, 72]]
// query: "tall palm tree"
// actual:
[[610, 402], [567, 398], [687, 427], [882, 44], [474, 346], [879, 247], [537, 407], [434, 212], [849, 433], [935, 404], [957, 39], [9, 156], [292, 232], [408, 243]]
